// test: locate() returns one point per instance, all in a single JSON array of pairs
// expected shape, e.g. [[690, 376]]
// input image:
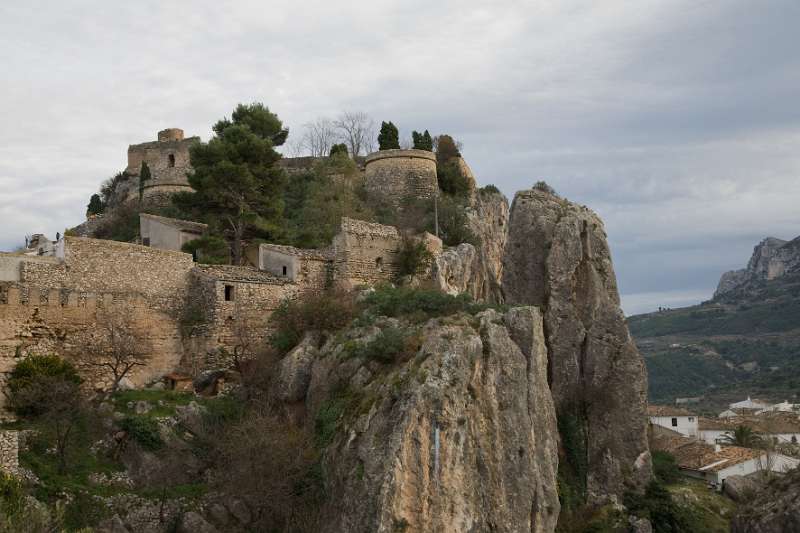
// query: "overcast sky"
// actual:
[[678, 121]]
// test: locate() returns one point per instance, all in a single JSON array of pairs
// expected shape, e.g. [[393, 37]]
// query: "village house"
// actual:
[[673, 418], [168, 233], [780, 428], [714, 463]]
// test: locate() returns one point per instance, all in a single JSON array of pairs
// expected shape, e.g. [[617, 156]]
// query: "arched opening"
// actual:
[[379, 264], [171, 160]]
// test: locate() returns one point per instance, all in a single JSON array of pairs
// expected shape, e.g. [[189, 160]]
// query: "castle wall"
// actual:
[[11, 264], [365, 253], [168, 160], [394, 175]]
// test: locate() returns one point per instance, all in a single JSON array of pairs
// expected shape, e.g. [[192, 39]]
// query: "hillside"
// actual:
[[745, 341]]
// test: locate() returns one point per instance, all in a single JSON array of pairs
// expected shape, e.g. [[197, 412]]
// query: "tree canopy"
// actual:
[[95, 206], [238, 185], [422, 141], [389, 137]]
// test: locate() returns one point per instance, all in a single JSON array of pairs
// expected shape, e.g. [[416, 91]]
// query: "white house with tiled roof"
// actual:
[[673, 418], [715, 463]]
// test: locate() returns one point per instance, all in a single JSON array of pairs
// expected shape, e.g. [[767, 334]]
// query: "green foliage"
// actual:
[[658, 506], [144, 177], [122, 225], [327, 421], [451, 180], [387, 300], [389, 346], [422, 141], [326, 311], [573, 469], [83, 511], [389, 137], [446, 149], [37, 372], [544, 187], [744, 436], [320, 200], [12, 494], [209, 249], [665, 468], [143, 431], [238, 184], [413, 257], [95, 206], [453, 223], [338, 149], [489, 189], [109, 187], [164, 402]]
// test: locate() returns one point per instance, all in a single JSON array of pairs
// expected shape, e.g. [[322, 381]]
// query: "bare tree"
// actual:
[[117, 350], [357, 130], [319, 136]]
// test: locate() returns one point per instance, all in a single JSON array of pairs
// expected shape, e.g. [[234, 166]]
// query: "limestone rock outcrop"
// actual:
[[771, 259], [460, 438], [487, 218], [557, 258], [772, 509]]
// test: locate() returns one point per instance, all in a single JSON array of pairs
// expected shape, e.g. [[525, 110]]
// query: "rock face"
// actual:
[[773, 509], [772, 258], [488, 220], [460, 438], [557, 259]]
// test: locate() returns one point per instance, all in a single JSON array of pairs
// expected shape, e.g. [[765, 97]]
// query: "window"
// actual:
[[691, 419], [171, 160], [284, 270], [794, 439], [674, 422], [379, 264], [146, 241], [228, 293]]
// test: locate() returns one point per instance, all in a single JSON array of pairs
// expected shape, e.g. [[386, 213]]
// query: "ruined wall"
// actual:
[[365, 253], [393, 175], [311, 268], [9, 452]]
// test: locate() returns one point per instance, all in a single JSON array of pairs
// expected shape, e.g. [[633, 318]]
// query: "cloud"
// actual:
[[676, 121]]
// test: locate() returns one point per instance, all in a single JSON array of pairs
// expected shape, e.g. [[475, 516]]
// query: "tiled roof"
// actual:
[[767, 423], [667, 410], [692, 454]]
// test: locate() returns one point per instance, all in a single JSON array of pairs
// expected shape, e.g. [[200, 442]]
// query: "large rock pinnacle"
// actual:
[[557, 258]]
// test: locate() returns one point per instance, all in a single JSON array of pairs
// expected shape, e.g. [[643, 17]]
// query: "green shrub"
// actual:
[[211, 250], [95, 206], [387, 300], [33, 373], [143, 431], [453, 223], [574, 467], [413, 257], [338, 149], [422, 141], [451, 180], [665, 468], [544, 187], [12, 495], [657, 505], [389, 346], [327, 311], [489, 189], [388, 138]]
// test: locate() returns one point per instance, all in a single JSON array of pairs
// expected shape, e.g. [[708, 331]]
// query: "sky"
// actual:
[[677, 121]]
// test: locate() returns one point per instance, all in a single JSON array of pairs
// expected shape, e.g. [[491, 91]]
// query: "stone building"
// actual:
[[168, 233], [168, 160], [393, 176]]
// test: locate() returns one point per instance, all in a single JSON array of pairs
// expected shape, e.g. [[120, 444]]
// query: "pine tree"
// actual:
[[389, 137], [95, 206], [144, 175], [238, 184]]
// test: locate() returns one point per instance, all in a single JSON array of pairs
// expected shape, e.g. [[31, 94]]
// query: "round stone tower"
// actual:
[[170, 134], [394, 175]]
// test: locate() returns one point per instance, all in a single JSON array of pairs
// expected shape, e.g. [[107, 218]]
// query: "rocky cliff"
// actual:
[[461, 436], [557, 258], [772, 258], [773, 509]]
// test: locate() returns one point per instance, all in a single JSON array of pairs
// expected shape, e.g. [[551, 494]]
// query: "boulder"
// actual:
[[193, 522], [294, 373], [741, 488]]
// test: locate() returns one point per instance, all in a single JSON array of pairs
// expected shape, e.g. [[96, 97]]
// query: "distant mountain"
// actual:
[[745, 341]]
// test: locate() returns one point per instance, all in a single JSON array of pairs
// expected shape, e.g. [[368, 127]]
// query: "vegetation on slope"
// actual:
[[746, 343]]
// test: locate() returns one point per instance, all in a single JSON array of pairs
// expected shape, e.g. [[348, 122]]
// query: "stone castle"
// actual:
[[50, 302]]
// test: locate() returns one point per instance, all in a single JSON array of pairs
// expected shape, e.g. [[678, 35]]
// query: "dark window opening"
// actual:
[[674, 422], [379, 264], [171, 160], [146, 241], [794, 439], [228, 293], [284, 270]]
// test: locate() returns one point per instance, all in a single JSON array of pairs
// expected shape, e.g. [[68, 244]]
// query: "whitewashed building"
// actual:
[[673, 418]]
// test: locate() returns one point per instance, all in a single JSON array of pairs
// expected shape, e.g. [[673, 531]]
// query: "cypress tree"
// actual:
[[389, 137], [95, 206], [422, 141]]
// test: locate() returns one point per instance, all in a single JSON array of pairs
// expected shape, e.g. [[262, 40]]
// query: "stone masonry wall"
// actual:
[[165, 178], [9, 452], [365, 253], [394, 175]]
